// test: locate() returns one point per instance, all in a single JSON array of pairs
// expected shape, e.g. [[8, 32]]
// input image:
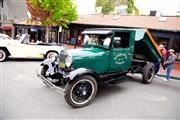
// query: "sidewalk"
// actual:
[[175, 74]]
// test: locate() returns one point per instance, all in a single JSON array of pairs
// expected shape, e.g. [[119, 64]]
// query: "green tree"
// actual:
[[132, 9], [99, 3], [52, 12], [107, 6]]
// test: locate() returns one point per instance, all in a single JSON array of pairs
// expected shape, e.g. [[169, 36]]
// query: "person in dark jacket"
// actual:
[[169, 64]]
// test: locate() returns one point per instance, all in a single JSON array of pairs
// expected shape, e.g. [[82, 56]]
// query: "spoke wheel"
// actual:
[[148, 73], [81, 92]]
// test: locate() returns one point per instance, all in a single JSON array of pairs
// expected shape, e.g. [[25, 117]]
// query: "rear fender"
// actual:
[[80, 72]]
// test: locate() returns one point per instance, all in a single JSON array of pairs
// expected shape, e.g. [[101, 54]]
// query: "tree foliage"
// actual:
[[109, 5], [132, 8], [52, 12]]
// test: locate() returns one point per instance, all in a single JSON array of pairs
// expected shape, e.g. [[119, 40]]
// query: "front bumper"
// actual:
[[59, 89]]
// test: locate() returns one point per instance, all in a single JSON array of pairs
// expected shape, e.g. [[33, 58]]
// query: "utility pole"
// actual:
[[2, 1]]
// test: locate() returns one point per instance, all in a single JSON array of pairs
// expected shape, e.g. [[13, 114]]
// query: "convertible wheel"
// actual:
[[148, 73], [81, 92], [51, 54], [3, 55]]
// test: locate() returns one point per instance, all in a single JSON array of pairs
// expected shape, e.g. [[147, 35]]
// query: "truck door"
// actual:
[[121, 52]]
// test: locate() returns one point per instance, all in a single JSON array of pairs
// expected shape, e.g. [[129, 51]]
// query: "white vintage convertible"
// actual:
[[22, 48]]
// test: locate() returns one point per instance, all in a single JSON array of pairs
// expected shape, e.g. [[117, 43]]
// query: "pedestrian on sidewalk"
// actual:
[[169, 63], [163, 52]]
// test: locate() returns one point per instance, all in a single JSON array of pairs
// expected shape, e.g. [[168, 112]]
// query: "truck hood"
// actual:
[[85, 53]]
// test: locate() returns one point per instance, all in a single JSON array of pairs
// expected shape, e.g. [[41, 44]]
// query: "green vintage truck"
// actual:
[[108, 54]]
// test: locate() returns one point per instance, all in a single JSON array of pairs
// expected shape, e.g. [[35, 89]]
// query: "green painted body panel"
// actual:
[[121, 58], [96, 59], [108, 60], [150, 52]]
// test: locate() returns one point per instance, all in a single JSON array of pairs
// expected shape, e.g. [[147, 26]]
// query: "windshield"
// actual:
[[101, 40], [4, 37], [25, 38]]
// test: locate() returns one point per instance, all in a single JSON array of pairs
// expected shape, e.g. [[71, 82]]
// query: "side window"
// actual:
[[121, 40], [107, 42]]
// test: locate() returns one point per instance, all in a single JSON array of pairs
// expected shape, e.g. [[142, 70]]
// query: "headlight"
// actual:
[[68, 61]]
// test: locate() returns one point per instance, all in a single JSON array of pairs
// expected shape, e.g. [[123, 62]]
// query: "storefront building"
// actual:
[[166, 31], [37, 32]]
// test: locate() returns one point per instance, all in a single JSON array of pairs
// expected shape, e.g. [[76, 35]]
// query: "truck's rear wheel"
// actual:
[[80, 92], [148, 73], [3, 55]]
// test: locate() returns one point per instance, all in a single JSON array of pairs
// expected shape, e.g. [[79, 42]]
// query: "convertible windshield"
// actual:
[[4, 37], [101, 40]]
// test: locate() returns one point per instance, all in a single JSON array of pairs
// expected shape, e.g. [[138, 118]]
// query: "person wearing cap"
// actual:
[[169, 63]]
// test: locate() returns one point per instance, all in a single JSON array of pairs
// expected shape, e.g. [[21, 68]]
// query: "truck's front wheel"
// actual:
[[81, 92], [148, 73]]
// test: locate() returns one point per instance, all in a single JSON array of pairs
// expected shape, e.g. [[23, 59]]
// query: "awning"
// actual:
[[101, 32], [7, 27]]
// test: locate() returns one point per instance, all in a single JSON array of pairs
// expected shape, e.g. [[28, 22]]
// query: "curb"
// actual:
[[172, 77]]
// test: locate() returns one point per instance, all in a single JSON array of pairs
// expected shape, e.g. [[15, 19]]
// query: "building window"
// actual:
[[52, 36], [176, 44]]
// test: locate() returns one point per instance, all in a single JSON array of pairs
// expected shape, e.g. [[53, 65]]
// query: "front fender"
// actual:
[[48, 62], [81, 71]]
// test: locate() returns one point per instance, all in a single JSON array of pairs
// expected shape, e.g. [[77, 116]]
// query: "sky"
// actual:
[[167, 7], [85, 6]]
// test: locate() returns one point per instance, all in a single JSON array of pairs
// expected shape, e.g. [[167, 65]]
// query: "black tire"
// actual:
[[148, 73], [3, 55], [81, 92], [50, 54], [44, 70]]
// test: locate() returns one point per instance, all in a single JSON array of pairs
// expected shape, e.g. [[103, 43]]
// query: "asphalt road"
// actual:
[[24, 96]]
